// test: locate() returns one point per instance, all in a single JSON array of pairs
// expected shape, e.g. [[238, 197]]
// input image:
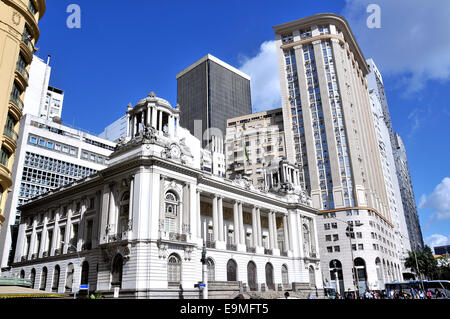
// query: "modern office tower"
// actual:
[[49, 155], [375, 83], [330, 133], [115, 130], [408, 198], [253, 141], [210, 92], [442, 250], [19, 33]]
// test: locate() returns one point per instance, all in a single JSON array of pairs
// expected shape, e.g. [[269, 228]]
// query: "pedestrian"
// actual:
[[429, 295], [286, 295], [438, 294], [421, 294], [338, 296]]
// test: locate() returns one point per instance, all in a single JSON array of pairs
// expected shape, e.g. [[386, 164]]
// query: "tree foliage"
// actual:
[[423, 263]]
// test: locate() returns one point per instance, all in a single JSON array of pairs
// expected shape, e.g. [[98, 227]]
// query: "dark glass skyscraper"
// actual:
[[212, 91]]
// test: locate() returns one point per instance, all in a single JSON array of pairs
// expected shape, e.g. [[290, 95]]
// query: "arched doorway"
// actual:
[[211, 270], [231, 270], [69, 277], [312, 277], [251, 276], [336, 276], [22, 274], [284, 275], [56, 273], [116, 271], [380, 282], [269, 277], [32, 277], [43, 285], [174, 270], [360, 266], [85, 273]]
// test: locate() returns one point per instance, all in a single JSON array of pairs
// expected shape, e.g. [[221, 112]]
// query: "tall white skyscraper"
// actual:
[[330, 133], [41, 99]]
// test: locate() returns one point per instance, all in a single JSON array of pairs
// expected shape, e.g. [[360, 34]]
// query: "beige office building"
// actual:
[[330, 132], [252, 142], [19, 33]]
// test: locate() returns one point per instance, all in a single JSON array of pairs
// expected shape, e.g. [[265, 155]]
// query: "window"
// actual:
[[337, 249], [335, 237], [327, 237], [360, 246], [174, 270], [327, 226], [330, 249]]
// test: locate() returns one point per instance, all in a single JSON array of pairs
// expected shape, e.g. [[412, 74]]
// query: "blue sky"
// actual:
[[124, 50]]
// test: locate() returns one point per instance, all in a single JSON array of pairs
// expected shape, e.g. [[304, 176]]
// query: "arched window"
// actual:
[[85, 273], [124, 212], [211, 269], [174, 270], [252, 276], [336, 275], [116, 271], [69, 278], [284, 275], [32, 277], [269, 277], [43, 285], [360, 266], [231, 270], [22, 274], [56, 274], [312, 277], [171, 208]]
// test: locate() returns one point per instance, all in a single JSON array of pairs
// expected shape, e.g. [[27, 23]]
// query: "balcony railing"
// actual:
[[268, 251], [11, 134], [232, 247], [251, 249], [284, 253], [210, 244], [21, 69], [17, 101], [177, 237]]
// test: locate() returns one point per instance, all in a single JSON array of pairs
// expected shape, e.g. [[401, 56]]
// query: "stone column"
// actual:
[[254, 227], [160, 120], [215, 219], [154, 117], [43, 238], [112, 212], [68, 228], [186, 209], [275, 234], [270, 219], [241, 225], [258, 220], [54, 243], [286, 233], [21, 239], [236, 222], [130, 207], [220, 215], [162, 214], [198, 216]]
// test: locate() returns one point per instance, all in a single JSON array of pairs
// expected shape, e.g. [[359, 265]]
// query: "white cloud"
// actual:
[[438, 200], [265, 83], [412, 42], [437, 240]]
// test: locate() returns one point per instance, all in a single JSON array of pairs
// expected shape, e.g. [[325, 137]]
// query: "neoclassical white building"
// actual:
[[141, 223]]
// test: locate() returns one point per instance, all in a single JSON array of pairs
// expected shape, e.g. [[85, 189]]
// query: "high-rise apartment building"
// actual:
[[407, 192], [413, 232], [253, 141], [19, 33], [209, 92], [330, 133], [49, 156]]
